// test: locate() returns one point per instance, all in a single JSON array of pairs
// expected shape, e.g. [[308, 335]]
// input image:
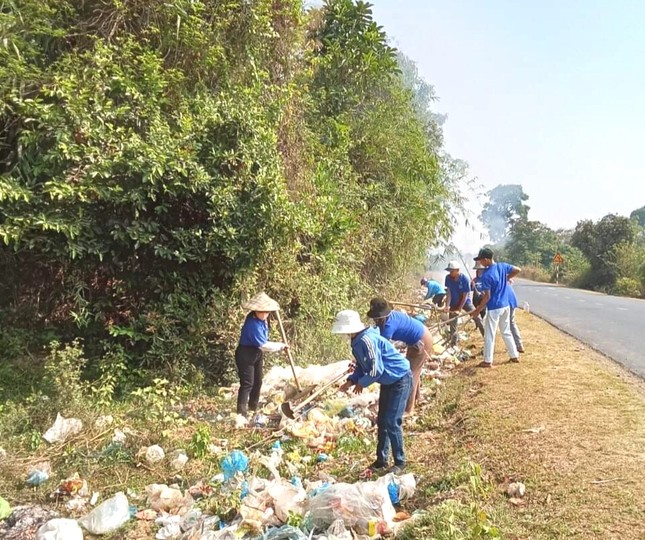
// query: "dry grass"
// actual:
[[584, 471]]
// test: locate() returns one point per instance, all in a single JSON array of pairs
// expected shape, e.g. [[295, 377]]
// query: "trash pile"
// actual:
[[282, 494]]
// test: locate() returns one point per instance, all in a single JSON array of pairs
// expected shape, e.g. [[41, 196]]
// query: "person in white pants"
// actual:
[[496, 298]]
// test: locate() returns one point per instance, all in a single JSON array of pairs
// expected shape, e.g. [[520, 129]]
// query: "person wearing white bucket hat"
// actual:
[[249, 355], [458, 299], [377, 361]]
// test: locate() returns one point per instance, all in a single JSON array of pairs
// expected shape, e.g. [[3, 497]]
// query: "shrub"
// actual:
[[626, 286]]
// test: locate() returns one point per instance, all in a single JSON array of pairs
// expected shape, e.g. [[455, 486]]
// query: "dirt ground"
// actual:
[[566, 421]]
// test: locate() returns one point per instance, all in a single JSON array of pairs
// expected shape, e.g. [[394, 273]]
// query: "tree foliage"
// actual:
[[159, 160], [638, 215], [505, 206], [599, 242]]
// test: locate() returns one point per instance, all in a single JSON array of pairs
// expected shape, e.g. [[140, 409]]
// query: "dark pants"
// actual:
[[391, 405], [468, 307], [249, 368], [438, 299]]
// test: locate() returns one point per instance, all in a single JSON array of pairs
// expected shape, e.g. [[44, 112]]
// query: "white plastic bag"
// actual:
[[154, 454], [62, 429], [286, 498], [60, 529], [355, 504], [178, 460], [107, 516]]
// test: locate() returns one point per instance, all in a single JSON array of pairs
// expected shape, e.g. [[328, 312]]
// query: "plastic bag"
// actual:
[[235, 462], [37, 477], [338, 531], [62, 429], [162, 498], [60, 529], [287, 498], [178, 460], [5, 509], [108, 516], [355, 504], [154, 454], [399, 487], [286, 532]]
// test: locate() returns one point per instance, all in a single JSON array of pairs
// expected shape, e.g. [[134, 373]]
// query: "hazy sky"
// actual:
[[548, 94]]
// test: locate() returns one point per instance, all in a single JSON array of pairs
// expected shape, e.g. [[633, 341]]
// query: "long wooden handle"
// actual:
[[320, 390], [427, 307], [291, 362]]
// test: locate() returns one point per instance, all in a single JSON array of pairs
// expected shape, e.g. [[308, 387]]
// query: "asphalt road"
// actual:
[[613, 325]]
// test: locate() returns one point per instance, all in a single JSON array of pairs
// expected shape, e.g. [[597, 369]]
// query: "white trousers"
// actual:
[[498, 317]]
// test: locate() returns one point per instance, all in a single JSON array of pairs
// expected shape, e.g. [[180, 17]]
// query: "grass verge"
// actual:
[[566, 421]]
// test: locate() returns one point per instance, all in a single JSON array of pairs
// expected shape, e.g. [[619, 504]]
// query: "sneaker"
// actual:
[[377, 466], [514, 360], [397, 469], [520, 350]]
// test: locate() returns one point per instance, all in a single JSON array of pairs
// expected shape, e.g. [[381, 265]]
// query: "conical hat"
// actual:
[[261, 302]]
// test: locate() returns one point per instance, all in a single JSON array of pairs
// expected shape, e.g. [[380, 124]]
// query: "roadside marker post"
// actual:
[[557, 260]]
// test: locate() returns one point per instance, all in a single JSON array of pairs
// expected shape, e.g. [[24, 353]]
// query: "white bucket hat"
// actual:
[[261, 302], [452, 265], [347, 321]]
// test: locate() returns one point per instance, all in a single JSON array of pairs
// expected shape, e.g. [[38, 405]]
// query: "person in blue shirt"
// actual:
[[458, 299], [398, 326], [377, 361], [476, 286], [496, 299], [249, 355], [515, 331], [435, 292]]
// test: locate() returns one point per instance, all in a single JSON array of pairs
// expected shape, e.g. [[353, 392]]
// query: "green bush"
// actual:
[[161, 160], [626, 286]]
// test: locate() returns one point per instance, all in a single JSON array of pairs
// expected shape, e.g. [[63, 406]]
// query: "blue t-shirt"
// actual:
[[478, 283], [255, 332], [512, 299], [434, 288], [377, 361], [457, 287], [495, 280], [401, 327]]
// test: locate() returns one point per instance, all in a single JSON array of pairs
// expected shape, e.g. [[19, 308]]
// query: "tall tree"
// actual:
[[504, 207], [598, 241], [639, 216]]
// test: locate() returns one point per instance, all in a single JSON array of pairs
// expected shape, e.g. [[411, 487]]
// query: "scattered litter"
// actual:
[[3, 453], [235, 462], [516, 490], [178, 460], [60, 529], [39, 474], [538, 429], [108, 516], [146, 515], [62, 429], [153, 454], [119, 437], [5, 509], [608, 481], [240, 421], [162, 498], [24, 522], [104, 421]]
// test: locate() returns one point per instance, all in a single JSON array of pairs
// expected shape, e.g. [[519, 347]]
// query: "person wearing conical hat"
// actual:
[[377, 361], [249, 355]]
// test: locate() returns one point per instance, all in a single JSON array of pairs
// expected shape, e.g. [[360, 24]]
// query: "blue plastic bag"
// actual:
[[286, 532], [393, 492], [235, 462], [37, 477]]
